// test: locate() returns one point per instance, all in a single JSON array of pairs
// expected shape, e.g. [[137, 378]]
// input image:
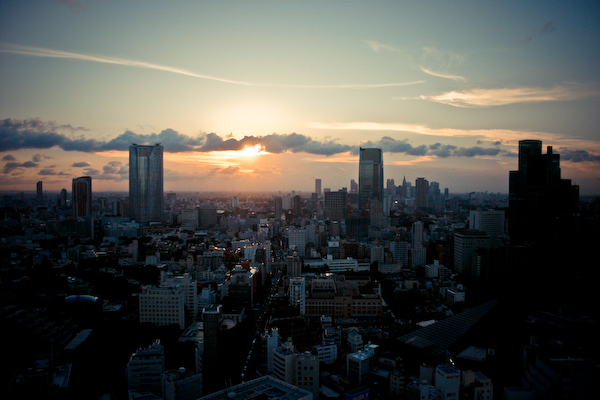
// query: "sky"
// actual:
[[271, 95]]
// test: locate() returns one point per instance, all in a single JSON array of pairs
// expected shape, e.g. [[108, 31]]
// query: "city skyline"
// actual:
[[261, 96]]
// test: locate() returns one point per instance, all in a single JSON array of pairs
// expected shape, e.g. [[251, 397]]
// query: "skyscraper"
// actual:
[[370, 177], [146, 182], [540, 202], [82, 196], [421, 192], [318, 186], [39, 192]]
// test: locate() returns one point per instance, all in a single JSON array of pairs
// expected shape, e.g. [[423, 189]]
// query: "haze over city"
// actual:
[[271, 95]]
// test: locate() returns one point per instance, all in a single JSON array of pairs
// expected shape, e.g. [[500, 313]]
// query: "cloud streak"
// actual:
[[504, 96], [51, 53], [443, 75]]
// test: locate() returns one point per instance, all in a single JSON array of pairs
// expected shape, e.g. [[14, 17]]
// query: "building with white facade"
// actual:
[[145, 369], [297, 294], [326, 353], [189, 286], [162, 305], [355, 340], [447, 382], [271, 341]]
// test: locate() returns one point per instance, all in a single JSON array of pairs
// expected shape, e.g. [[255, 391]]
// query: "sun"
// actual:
[[249, 151]]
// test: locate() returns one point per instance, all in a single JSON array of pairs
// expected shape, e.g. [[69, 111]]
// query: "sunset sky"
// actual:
[[269, 95]]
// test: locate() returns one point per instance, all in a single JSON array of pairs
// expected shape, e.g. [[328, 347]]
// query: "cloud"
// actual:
[[39, 157], [578, 156], [81, 164], [8, 157], [11, 166], [47, 171], [376, 46], [443, 75], [50, 53], [547, 28], [504, 96]]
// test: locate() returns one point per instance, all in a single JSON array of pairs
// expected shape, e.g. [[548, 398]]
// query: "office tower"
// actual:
[[417, 234], [146, 182], [299, 369], [297, 294], [488, 221], [82, 196], [318, 187], [370, 177], [179, 384], [212, 322], [145, 369], [162, 306], [418, 256], [399, 251], [421, 193], [297, 240], [465, 245], [390, 187], [271, 341], [353, 186], [447, 382], [39, 192], [62, 198], [293, 266], [235, 201], [541, 204], [336, 205], [297, 205]]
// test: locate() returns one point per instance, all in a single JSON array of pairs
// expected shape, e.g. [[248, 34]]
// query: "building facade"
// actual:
[[370, 177], [82, 196], [146, 182]]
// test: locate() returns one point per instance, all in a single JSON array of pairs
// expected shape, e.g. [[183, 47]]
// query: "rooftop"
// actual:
[[263, 388]]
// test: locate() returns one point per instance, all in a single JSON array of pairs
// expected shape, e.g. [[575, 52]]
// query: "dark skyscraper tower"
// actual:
[[370, 177], [39, 192], [318, 187], [421, 193], [541, 204], [82, 196], [146, 182]]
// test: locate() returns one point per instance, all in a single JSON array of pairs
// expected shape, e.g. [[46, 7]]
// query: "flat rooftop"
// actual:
[[263, 388]]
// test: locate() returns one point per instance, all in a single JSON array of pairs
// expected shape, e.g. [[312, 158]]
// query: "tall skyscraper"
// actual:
[[318, 186], [82, 196], [146, 182], [540, 203], [370, 177], [421, 192], [39, 191]]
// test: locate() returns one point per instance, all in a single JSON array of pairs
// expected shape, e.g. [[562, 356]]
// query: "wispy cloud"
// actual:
[[51, 53], [504, 136], [443, 75], [376, 46], [503, 96], [547, 28]]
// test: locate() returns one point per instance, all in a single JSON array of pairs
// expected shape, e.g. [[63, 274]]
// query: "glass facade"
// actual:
[[146, 182], [370, 177]]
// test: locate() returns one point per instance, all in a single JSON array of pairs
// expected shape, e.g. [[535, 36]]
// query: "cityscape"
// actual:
[[256, 200]]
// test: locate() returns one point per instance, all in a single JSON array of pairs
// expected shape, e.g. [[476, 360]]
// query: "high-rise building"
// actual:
[[82, 196], [421, 192], [336, 207], [162, 305], [488, 221], [39, 191], [540, 202], [297, 294], [145, 369], [318, 187], [146, 182], [370, 177], [278, 207], [353, 186], [465, 245]]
